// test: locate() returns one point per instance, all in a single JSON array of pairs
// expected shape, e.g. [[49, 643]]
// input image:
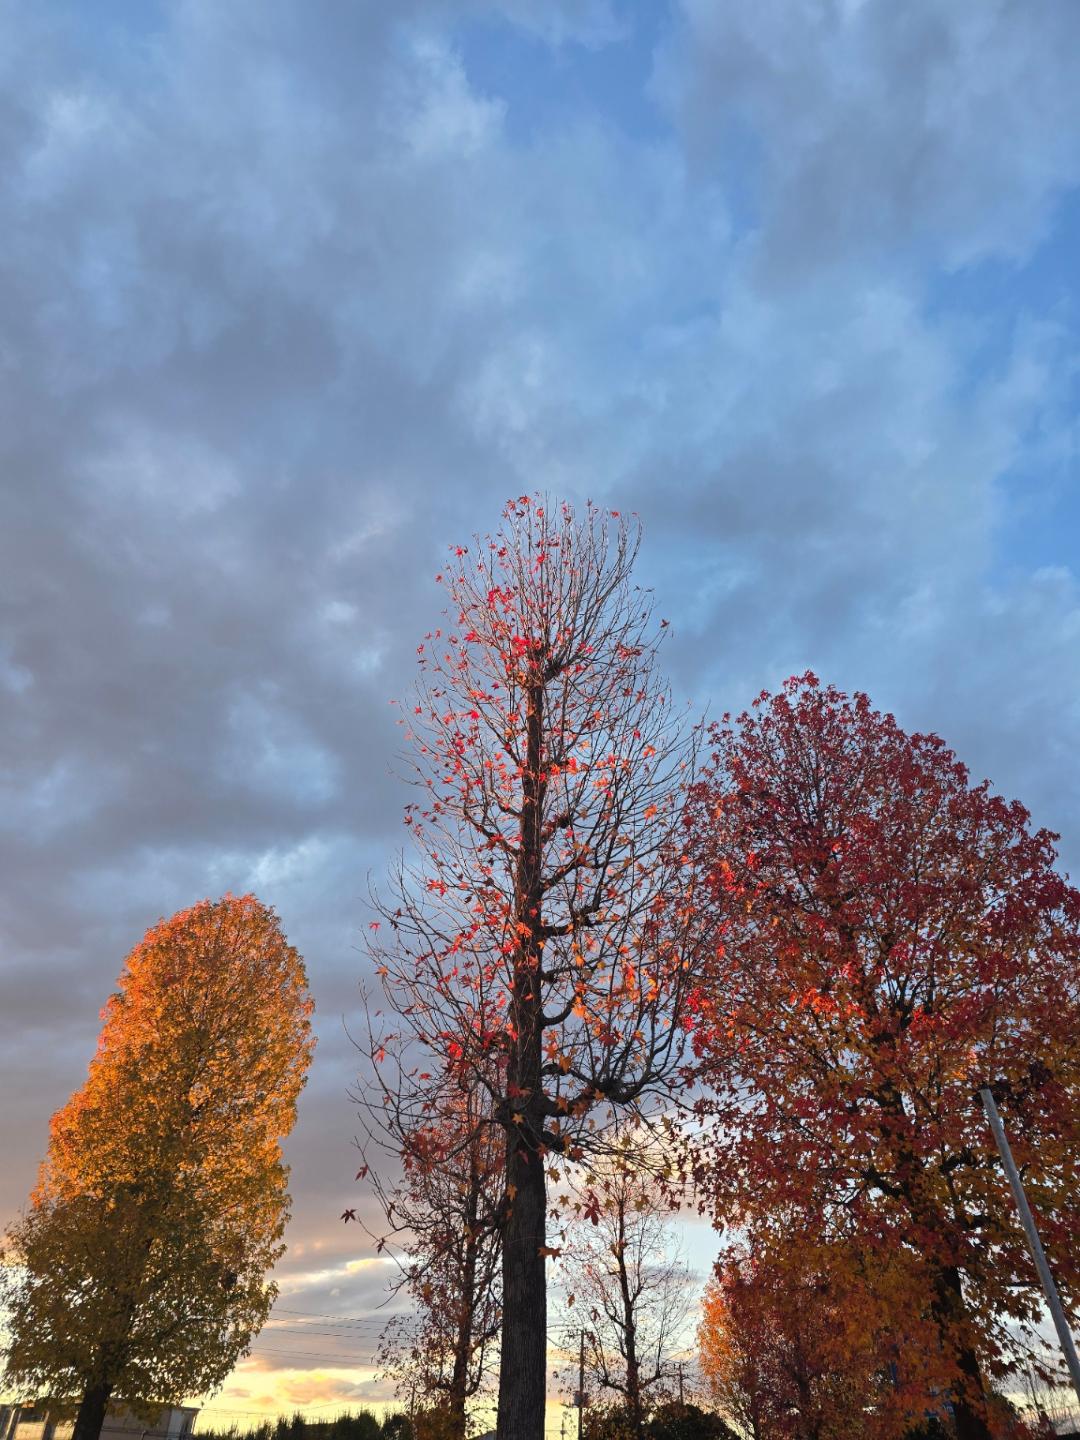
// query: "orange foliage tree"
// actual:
[[894, 938], [138, 1272], [540, 941], [800, 1340]]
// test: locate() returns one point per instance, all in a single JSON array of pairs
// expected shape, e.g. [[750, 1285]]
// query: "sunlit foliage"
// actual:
[[161, 1204]]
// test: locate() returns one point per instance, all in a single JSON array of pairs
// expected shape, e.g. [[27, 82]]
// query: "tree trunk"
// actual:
[[458, 1419], [807, 1422], [523, 1369], [633, 1365], [455, 1401], [463, 1347], [91, 1416], [633, 1383], [969, 1412], [969, 1401]]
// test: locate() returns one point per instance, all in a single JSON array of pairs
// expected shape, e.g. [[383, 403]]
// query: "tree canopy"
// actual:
[[138, 1270], [893, 937], [540, 941]]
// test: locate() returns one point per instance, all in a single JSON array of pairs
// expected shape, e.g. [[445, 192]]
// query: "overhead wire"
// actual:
[[314, 1355], [329, 1315]]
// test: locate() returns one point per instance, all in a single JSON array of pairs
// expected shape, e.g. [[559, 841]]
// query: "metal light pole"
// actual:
[[1034, 1244], [581, 1386]]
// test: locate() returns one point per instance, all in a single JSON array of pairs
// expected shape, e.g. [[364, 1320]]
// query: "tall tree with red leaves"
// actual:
[[540, 942], [894, 938]]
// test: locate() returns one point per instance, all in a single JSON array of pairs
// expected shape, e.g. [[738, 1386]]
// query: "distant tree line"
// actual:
[[349, 1425]]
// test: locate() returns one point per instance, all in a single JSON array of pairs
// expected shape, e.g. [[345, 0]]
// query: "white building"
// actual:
[[40, 1422]]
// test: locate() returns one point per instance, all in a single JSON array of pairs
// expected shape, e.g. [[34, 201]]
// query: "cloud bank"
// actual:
[[295, 295]]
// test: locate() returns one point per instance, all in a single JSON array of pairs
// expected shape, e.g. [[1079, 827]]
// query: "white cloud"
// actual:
[[434, 112]]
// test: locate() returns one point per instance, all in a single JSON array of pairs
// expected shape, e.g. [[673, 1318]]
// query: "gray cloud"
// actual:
[[883, 127], [287, 309]]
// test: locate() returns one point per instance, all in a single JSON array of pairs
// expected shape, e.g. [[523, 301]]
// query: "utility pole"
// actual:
[[681, 1400], [581, 1385], [1034, 1243]]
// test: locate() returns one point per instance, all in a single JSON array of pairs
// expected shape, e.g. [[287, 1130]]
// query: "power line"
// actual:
[[228, 1410], [325, 1332], [316, 1331], [328, 1315], [270, 1350]]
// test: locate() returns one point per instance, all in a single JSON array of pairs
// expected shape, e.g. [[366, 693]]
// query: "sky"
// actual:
[[295, 293]]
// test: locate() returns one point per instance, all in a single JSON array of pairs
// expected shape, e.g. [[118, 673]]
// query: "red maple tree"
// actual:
[[540, 940], [804, 1337], [894, 937], [771, 1347]]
